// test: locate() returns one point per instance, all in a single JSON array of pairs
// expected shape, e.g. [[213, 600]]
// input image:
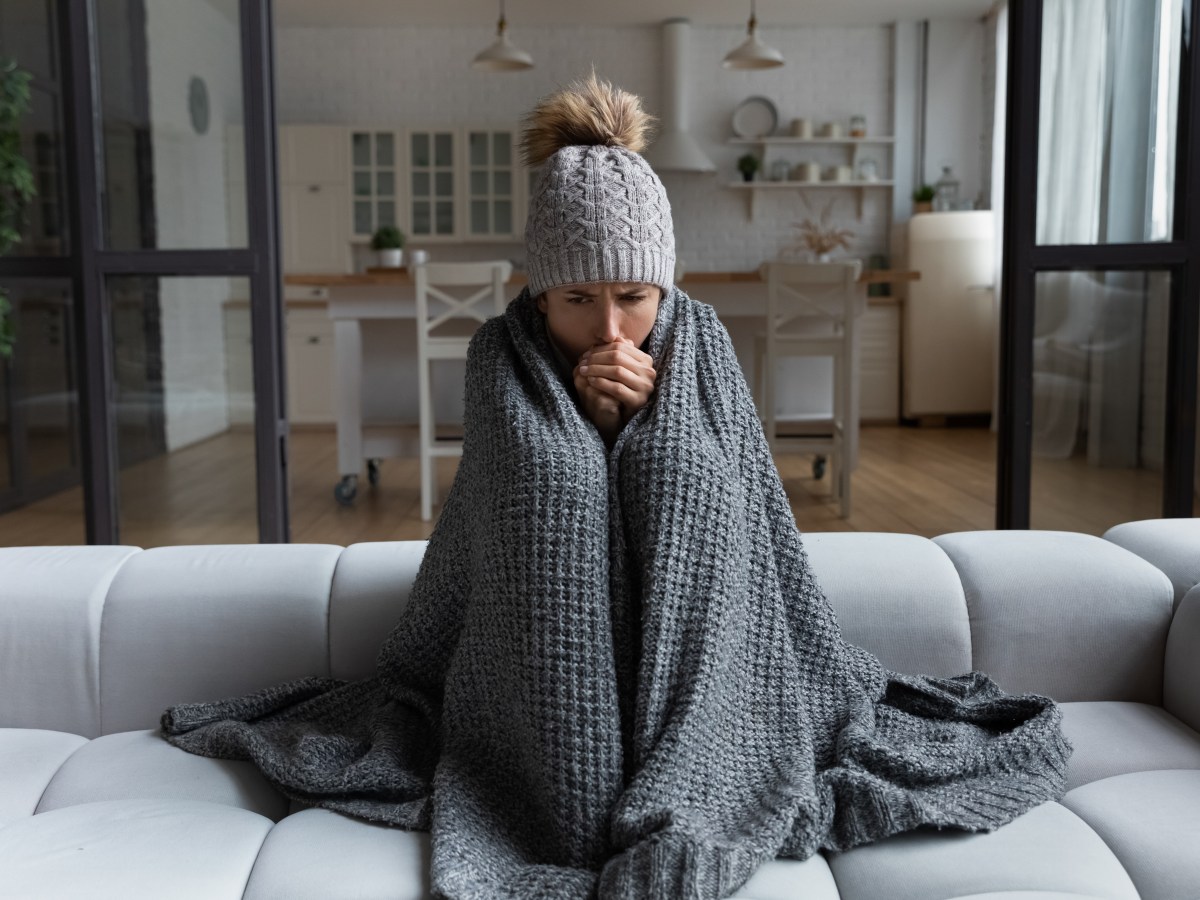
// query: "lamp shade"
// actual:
[[502, 55], [752, 54]]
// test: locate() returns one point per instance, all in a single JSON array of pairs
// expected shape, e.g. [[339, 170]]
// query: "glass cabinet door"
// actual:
[[490, 185], [432, 187], [373, 180]]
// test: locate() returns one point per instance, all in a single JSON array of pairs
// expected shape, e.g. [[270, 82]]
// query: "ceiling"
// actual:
[[376, 13]]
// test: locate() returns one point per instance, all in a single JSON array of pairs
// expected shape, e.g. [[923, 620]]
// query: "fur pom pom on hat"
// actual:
[[598, 212]]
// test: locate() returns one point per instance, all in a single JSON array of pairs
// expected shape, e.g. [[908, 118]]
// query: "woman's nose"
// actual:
[[608, 324]]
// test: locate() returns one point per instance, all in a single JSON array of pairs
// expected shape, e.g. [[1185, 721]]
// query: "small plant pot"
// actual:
[[919, 207], [747, 176], [391, 259]]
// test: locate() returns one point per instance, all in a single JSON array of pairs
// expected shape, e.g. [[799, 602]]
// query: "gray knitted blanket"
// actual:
[[616, 674]]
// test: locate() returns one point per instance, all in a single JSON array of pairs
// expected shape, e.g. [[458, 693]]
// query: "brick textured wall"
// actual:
[[420, 76]]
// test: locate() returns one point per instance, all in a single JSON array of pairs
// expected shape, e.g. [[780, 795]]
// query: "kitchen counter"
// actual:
[[376, 277]]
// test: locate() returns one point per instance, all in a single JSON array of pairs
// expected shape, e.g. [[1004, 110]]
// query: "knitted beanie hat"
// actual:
[[598, 211]]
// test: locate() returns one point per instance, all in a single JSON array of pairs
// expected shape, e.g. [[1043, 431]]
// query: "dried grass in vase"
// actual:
[[819, 236]]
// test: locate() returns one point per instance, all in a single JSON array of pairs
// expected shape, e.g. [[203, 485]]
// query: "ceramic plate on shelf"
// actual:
[[755, 117]]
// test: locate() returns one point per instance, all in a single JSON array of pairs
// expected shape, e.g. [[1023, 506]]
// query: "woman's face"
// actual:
[[582, 316]]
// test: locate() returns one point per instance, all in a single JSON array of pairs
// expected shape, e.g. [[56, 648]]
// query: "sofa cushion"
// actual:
[[370, 587], [128, 849], [1151, 820], [211, 622], [1112, 738], [1049, 848], [51, 601], [897, 595], [1172, 545], [790, 879], [1068, 615], [28, 760], [141, 765], [316, 854], [1181, 672]]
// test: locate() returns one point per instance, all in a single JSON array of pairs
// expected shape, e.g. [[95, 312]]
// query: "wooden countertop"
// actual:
[[401, 276]]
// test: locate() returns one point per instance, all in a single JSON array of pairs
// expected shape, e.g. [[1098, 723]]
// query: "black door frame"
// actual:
[[1023, 259], [89, 264]]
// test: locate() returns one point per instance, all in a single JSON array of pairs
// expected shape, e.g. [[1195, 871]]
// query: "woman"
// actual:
[[616, 674]]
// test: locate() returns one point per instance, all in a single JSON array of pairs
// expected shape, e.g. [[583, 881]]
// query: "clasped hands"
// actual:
[[614, 381]]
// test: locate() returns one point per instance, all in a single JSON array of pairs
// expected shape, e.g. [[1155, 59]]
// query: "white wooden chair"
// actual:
[[437, 308], [813, 309]]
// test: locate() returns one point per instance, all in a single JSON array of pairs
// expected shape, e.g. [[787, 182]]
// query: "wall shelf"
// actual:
[[753, 187], [814, 140], [852, 156]]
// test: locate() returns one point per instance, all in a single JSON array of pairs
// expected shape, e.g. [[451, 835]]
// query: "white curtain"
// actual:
[[999, 132], [1105, 67]]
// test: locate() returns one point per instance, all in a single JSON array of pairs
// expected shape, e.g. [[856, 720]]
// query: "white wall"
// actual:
[[955, 121], [421, 76], [189, 38]]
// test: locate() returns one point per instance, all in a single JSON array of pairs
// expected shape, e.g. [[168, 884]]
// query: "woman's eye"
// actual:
[[578, 299], [634, 298]]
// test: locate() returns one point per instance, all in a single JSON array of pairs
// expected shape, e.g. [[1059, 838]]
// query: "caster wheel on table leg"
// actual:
[[346, 490], [373, 472], [818, 468]]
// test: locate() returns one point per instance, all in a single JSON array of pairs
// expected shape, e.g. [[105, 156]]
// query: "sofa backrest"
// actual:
[[95, 640]]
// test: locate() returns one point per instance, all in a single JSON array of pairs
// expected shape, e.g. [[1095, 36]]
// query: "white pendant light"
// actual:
[[502, 55], [752, 53]]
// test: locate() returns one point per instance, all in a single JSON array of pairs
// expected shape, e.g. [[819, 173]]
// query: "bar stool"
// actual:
[[800, 295]]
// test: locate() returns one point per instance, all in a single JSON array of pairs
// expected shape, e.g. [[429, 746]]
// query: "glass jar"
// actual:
[[945, 196], [868, 170], [780, 169], [858, 126]]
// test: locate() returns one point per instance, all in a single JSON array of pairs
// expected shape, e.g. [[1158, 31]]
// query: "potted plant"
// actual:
[[748, 164], [16, 179], [923, 198], [389, 241]]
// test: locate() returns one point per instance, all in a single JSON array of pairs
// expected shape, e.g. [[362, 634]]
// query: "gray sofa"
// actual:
[[96, 641]]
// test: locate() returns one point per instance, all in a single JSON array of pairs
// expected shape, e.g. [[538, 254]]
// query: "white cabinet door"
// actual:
[[313, 225], [879, 372], [312, 154], [309, 367]]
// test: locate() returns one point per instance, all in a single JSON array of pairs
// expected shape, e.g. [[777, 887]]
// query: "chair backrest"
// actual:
[[805, 290], [436, 305]]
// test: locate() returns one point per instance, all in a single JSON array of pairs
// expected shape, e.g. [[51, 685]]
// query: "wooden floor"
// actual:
[[925, 481]]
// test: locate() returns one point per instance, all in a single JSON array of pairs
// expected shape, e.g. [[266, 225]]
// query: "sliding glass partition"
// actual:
[[1101, 273], [142, 402]]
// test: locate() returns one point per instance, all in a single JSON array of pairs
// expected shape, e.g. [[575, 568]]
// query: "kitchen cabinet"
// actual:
[[491, 182], [313, 198], [310, 366], [879, 364], [826, 153], [433, 175], [308, 343], [374, 174]]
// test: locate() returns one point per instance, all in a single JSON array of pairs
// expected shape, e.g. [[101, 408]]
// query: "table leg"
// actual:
[[347, 345]]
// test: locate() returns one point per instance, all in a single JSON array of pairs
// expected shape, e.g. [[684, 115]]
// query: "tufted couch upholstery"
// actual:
[[96, 641]]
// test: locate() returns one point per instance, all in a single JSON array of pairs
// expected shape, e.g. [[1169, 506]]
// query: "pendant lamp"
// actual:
[[752, 53], [502, 55]]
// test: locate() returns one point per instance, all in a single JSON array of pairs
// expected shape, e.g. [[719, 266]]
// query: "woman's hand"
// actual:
[[614, 381]]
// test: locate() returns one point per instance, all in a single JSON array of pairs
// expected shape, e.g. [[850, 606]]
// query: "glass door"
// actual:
[[1101, 269], [152, 352]]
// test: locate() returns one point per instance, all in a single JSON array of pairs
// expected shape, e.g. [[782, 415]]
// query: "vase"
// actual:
[[391, 259]]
